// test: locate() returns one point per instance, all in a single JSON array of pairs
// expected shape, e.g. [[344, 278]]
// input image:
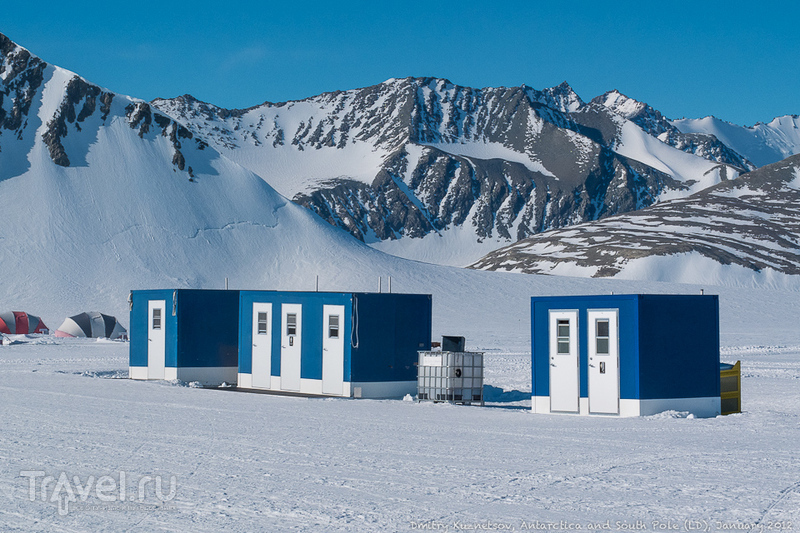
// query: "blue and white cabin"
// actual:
[[186, 334], [361, 345], [625, 355]]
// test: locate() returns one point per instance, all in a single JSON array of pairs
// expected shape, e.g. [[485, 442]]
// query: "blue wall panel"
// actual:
[[540, 367], [382, 332], [311, 358], [245, 332], [203, 332], [208, 328], [391, 329], [679, 344], [138, 327]]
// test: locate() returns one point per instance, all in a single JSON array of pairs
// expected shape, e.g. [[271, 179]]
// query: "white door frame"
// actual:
[[564, 367], [261, 359], [603, 369], [291, 347], [156, 339], [332, 350]]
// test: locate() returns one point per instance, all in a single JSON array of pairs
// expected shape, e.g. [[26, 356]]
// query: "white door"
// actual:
[[332, 349], [564, 361], [603, 362], [291, 334], [262, 345], [156, 339]]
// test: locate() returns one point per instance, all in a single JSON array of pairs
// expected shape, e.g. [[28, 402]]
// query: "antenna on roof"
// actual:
[[390, 284], [379, 284], [316, 283], [226, 284]]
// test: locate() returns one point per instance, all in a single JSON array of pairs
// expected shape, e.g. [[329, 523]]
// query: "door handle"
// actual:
[[254, 346], [324, 349], [551, 364], [592, 366]]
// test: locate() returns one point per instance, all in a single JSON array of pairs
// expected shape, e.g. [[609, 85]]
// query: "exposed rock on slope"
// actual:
[[752, 222]]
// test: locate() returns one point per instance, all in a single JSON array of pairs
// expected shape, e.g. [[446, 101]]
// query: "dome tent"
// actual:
[[21, 323], [92, 324]]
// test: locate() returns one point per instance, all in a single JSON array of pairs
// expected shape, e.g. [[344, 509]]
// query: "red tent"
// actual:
[[20, 322]]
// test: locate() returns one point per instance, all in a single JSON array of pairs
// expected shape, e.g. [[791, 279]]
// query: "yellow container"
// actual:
[[730, 388]]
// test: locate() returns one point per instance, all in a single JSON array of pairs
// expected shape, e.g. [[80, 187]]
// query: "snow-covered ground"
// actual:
[[259, 462]]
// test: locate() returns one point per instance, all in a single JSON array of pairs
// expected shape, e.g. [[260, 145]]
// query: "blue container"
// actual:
[[625, 355], [335, 344], [185, 334]]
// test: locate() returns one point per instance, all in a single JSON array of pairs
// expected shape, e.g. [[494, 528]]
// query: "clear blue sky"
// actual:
[[735, 60]]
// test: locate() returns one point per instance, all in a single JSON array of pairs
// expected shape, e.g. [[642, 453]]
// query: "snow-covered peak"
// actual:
[[620, 104], [383, 118], [649, 119], [703, 144], [416, 157], [189, 106], [762, 144], [786, 121], [561, 97], [13, 58]]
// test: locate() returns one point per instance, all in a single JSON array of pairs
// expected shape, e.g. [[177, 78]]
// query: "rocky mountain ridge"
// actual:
[[460, 171], [750, 224], [28, 110]]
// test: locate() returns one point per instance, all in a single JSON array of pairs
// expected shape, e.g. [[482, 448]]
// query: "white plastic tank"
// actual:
[[450, 376]]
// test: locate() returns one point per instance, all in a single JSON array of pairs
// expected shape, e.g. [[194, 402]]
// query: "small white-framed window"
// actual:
[[291, 324], [156, 318], [333, 326], [262, 322], [602, 336], [562, 336]]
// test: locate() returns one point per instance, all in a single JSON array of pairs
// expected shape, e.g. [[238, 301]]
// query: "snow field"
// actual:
[[257, 462]]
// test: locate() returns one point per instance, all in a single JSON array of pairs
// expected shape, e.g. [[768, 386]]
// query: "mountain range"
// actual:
[[464, 171], [103, 193]]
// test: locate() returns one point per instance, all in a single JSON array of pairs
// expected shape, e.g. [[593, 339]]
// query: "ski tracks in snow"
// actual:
[[788, 492]]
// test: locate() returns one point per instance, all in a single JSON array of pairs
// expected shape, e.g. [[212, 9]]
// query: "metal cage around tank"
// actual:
[[455, 377]]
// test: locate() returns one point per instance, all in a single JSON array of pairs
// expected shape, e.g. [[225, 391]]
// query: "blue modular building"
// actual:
[[361, 345], [186, 334], [625, 355]]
